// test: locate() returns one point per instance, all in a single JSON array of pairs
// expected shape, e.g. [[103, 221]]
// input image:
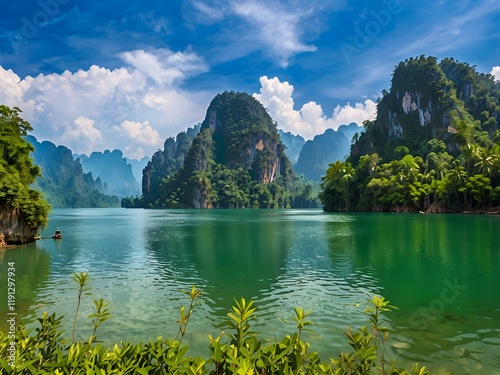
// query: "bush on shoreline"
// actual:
[[239, 351]]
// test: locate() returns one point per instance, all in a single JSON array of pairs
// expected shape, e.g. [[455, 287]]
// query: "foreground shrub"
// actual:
[[240, 351]]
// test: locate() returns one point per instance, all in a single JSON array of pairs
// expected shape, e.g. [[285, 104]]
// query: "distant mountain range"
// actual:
[[293, 144], [312, 158], [97, 180], [63, 180], [237, 158], [138, 166], [116, 171]]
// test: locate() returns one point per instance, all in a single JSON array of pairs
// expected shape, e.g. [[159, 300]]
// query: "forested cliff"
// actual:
[[448, 101], [435, 144], [236, 160], [165, 162], [22, 209]]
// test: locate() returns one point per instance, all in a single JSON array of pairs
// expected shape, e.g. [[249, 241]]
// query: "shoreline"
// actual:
[[429, 211], [477, 211]]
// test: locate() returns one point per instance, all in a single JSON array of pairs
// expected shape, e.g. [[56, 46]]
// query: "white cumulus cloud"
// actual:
[[310, 120], [83, 129], [142, 101], [357, 113], [495, 72], [143, 133]]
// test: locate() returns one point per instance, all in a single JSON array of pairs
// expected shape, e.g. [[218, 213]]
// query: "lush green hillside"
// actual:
[[435, 144], [237, 160], [163, 163], [63, 181], [22, 209]]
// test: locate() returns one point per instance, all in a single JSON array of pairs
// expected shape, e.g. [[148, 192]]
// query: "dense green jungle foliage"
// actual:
[[434, 146], [17, 170], [237, 160], [63, 181], [163, 163], [48, 350]]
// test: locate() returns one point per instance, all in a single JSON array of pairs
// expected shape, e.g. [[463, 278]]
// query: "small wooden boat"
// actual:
[[57, 235]]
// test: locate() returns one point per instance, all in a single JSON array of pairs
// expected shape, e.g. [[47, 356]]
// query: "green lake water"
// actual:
[[441, 271]]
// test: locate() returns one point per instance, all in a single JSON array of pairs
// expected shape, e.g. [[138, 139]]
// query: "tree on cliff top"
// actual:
[[435, 145], [17, 170]]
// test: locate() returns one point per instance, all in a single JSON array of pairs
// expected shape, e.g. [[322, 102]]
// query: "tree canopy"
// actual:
[[435, 144], [236, 161], [17, 170]]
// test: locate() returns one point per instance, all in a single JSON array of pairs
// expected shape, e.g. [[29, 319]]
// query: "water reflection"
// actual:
[[227, 253], [141, 260], [438, 269], [32, 266]]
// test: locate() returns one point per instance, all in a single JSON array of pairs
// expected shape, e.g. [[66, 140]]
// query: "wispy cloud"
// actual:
[[277, 30], [458, 27], [164, 66], [374, 72], [208, 14], [157, 24]]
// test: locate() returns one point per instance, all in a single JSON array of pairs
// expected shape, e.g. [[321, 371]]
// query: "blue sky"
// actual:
[[97, 75]]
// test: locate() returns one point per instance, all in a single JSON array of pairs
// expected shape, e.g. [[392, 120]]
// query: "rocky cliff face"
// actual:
[[418, 108], [166, 161], [14, 226], [430, 100], [260, 152], [432, 117], [229, 164], [245, 136]]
